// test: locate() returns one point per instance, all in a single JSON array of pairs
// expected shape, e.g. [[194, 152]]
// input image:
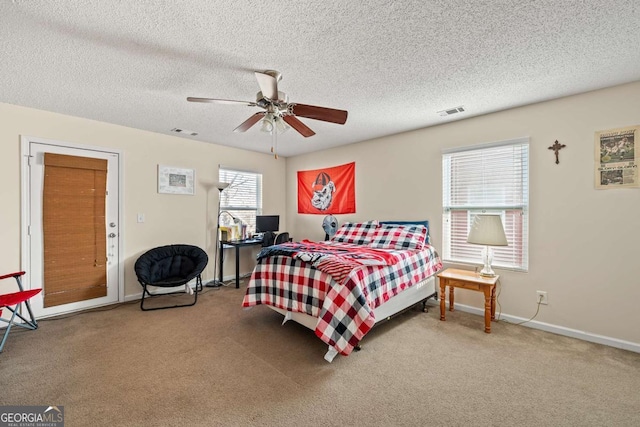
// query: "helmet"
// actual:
[[321, 181]]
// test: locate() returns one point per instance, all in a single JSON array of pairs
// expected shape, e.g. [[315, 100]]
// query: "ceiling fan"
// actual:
[[277, 108]]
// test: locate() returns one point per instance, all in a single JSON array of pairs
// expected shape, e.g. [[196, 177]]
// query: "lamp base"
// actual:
[[487, 256], [482, 273]]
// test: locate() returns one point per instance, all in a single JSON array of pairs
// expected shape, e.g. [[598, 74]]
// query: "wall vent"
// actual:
[[450, 111], [188, 132]]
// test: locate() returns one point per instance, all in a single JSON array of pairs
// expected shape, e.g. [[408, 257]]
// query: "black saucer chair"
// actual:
[[168, 267]]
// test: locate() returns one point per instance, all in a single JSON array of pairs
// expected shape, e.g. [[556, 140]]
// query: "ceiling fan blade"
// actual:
[[303, 129], [220, 101], [246, 125], [268, 82], [319, 113]]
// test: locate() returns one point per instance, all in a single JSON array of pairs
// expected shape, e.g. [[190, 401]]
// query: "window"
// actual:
[[492, 178], [242, 198]]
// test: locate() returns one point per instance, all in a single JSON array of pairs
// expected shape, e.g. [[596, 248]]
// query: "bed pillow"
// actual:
[[359, 233], [394, 236], [425, 223]]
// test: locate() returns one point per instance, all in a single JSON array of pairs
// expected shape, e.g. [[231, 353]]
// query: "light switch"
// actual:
[[140, 217]]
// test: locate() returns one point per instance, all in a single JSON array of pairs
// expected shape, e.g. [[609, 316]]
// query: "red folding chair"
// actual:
[[13, 302]]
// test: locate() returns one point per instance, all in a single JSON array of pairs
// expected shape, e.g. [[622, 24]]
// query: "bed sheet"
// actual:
[[344, 307]]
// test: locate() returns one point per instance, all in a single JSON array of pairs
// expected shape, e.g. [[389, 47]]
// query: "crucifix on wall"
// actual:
[[557, 147]]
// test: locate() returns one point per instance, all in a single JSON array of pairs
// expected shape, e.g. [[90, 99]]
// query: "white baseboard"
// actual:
[[560, 330]]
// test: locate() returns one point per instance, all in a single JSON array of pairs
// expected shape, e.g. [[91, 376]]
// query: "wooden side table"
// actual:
[[466, 279]]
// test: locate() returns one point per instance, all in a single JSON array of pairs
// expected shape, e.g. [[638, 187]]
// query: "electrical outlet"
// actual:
[[140, 217], [541, 297]]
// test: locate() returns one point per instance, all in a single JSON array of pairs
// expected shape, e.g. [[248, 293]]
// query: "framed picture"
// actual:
[[617, 160], [176, 180]]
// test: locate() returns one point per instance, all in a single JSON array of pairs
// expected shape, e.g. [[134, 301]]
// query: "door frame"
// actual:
[[25, 240]]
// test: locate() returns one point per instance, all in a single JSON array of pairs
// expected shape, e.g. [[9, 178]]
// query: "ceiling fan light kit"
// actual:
[[273, 122], [278, 110]]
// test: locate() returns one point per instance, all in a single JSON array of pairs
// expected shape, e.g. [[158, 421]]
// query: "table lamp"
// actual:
[[238, 223], [487, 230]]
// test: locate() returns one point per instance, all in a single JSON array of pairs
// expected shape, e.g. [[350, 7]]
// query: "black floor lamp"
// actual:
[[221, 186]]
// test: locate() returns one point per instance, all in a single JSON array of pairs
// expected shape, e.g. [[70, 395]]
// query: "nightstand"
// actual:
[[466, 279]]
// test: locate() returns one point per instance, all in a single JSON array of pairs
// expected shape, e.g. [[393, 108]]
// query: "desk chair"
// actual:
[[13, 302], [281, 238]]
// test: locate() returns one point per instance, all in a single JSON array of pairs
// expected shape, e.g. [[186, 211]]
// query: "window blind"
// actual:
[[74, 229], [489, 179], [242, 198]]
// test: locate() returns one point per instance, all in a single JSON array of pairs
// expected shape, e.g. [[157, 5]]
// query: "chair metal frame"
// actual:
[[13, 302], [145, 291]]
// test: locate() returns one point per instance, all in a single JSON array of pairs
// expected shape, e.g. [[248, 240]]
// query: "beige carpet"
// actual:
[[216, 364]]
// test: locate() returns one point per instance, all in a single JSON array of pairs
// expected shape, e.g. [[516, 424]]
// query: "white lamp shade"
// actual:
[[281, 125], [487, 230], [221, 185], [267, 125]]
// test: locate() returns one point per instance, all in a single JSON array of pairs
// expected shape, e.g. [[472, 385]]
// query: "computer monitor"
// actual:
[[266, 223]]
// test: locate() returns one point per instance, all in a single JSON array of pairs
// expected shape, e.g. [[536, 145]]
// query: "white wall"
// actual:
[[583, 242], [169, 218]]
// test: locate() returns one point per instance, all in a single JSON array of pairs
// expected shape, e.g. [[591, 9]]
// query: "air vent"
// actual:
[[450, 111], [187, 132]]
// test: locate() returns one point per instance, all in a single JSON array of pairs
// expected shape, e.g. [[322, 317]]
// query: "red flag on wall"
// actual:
[[327, 191]]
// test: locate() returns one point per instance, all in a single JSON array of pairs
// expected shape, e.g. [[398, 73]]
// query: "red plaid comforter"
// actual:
[[343, 307]]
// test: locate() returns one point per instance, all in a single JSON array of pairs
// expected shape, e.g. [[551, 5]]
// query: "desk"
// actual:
[[236, 244], [469, 280]]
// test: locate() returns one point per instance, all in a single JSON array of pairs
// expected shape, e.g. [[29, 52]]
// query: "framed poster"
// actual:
[[176, 180], [616, 158]]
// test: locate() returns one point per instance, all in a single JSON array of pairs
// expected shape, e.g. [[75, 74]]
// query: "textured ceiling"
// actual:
[[391, 64]]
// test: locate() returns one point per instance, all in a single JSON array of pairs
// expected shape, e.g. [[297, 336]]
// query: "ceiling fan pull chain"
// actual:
[[274, 144], [272, 149]]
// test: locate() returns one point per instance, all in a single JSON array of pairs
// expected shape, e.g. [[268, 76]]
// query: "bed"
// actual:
[[341, 288]]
